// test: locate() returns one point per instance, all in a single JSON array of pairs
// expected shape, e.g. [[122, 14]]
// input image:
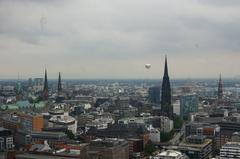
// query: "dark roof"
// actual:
[[5, 132], [119, 130]]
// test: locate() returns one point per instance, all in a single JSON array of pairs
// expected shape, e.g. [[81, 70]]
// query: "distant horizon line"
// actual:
[[194, 78]]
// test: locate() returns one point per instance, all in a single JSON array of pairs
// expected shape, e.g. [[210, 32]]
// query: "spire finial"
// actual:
[[166, 67], [45, 88], [220, 88], [59, 83]]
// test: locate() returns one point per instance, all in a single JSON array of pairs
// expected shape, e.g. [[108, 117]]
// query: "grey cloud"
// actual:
[[221, 3], [119, 31]]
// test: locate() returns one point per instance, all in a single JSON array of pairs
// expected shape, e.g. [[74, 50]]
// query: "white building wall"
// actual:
[[154, 135]]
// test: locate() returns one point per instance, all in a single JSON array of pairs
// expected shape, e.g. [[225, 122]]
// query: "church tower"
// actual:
[[59, 83], [45, 88], [166, 104], [220, 88]]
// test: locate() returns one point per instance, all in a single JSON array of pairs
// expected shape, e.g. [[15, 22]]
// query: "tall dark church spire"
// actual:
[[45, 88], [220, 88], [166, 68], [166, 104], [59, 83]]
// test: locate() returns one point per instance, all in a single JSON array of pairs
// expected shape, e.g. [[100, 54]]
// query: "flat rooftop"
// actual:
[[205, 143], [40, 156]]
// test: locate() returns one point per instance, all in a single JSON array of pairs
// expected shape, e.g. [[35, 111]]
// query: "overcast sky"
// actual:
[[116, 38]]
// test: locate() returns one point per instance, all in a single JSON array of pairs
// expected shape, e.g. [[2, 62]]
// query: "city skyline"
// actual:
[[119, 79], [82, 39]]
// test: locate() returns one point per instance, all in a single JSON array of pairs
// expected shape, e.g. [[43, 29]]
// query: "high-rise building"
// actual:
[[188, 104], [176, 107], [166, 104], [38, 81], [220, 89], [45, 88], [125, 109], [18, 90], [59, 84], [154, 95]]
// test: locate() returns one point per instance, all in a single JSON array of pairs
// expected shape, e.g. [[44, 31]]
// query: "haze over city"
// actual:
[[115, 39]]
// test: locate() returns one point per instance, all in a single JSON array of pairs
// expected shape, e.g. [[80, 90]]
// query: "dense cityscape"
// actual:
[[120, 119], [119, 79]]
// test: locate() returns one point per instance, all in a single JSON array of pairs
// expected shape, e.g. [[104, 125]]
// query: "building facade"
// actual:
[[31, 122], [6, 139], [197, 147], [188, 104], [166, 124], [154, 95], [230, 150], [108, 148]]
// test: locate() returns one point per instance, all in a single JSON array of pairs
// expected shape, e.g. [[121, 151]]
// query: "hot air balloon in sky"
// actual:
[[147, 66]]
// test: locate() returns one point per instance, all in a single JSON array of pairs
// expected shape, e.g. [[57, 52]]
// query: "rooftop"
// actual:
[[232, 144], [62, 120], [48, 134], [170, 153], [107, 142], [205, 143], [45, 156], [22, 104]]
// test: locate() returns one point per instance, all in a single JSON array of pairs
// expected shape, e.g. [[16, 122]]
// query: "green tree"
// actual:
[[149, 148], [166, 136], [70, 134], [177, 122]]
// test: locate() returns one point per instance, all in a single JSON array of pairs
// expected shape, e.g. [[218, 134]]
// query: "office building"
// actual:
[[6, 139], [226, 132], [154, 95], [27, 122], [196, 146], [230, 150], [188, 104], [31, 122], [108, 148], [208, 130], [125, 109], [24, 138], [176, 107], [166, 124], [135, 147]]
